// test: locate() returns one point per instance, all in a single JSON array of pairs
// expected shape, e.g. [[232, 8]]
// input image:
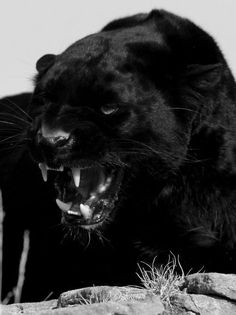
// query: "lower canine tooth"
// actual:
[[63, 205], [43, 168], [86, 211]]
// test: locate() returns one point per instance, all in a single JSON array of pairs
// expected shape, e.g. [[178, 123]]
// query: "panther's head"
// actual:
[[118, 108]]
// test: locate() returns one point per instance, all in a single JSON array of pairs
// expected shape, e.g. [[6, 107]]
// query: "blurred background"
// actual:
[[31, 28]]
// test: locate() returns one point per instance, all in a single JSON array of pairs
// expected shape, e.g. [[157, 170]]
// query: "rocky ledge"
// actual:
[[200, 293]]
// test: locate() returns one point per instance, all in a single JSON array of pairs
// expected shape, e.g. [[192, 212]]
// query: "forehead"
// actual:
[[102, 64], [114, 41], [106, 50]]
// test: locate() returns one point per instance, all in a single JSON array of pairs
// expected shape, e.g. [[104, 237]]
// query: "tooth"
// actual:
[[44, 168], [103, 187], [73, 212], [76, 176], [97, 216], [64, 206], [86, 211], [60, 169]]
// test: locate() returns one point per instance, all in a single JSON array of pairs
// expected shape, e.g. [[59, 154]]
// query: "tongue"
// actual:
[[89, 181], [78, 185], [77, 196]]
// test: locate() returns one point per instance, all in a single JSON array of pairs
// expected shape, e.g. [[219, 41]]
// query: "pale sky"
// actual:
[[32, 28]]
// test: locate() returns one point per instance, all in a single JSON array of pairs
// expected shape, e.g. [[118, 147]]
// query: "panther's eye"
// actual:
[[109, 110]]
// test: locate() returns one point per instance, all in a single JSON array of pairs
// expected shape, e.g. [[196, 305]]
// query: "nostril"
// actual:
[[54, 141], [55, 137], [58, 141], [53, 133]]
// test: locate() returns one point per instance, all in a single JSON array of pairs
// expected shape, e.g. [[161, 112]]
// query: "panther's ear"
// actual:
[[204, 77], [45, 62]]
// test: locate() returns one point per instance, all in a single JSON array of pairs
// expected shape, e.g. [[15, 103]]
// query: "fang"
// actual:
[[43, 167], [64, 206], [76, 176], [86, 211]]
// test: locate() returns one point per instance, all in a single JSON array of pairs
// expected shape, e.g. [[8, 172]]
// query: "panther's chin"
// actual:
[[87, 194]]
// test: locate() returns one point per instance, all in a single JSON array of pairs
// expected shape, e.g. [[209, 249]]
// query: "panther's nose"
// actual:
[[54, 137]]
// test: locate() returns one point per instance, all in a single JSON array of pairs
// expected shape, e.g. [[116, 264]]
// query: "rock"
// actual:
[[121, 300], [186, 304], [28, 308], [95, 301], [214, 284], [100, 294], [202, 294]]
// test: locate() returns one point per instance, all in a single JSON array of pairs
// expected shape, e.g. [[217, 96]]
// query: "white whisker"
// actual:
[[14, 116], [14, 136], [19, 108]]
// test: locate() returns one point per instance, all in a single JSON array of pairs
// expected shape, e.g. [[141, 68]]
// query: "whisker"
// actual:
[[12, 129], [14, 116], [14, 136], [8, 122], [12, 147], [132, 152], [19, 108], [102, 238], [145, 150], [149, 149], [182, 108], [89, 239]]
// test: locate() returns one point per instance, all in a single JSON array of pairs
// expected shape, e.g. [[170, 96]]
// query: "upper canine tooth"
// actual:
[[64, 206], [44, 169], [76, 175]]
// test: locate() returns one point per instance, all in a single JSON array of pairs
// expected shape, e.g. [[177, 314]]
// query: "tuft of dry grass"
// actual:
[[108, 294], [95, 297], [162, 280]]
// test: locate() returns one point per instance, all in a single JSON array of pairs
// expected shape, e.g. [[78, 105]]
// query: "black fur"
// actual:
[[173, 134]]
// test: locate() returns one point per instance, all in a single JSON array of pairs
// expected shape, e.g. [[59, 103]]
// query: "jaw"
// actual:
[[87, 196]]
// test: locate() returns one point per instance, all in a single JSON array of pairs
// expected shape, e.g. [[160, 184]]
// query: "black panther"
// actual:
[[135, 128], [55, 263]]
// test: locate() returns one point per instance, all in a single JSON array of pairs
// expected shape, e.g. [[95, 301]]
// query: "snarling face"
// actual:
[[110, 113]]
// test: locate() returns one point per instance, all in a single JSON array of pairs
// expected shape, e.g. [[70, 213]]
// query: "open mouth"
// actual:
[[86, 195]]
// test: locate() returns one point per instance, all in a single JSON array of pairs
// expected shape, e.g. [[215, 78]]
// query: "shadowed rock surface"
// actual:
[[198, 304], [223, 285], [206, 294]]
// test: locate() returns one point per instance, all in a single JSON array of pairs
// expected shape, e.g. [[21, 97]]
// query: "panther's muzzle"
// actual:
[[87, 188]]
